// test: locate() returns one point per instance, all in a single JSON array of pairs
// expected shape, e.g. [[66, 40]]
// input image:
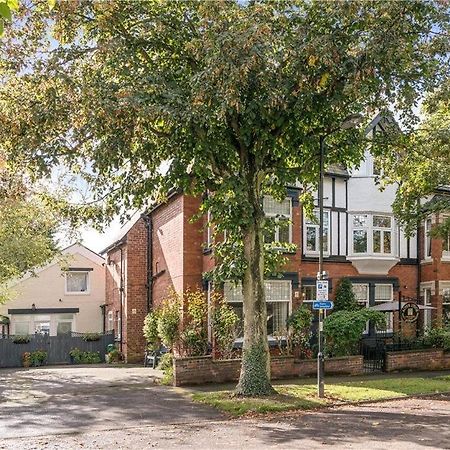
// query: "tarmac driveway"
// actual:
[[37, 402]]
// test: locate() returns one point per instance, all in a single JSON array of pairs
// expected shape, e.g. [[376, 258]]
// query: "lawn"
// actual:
[[303, 396]]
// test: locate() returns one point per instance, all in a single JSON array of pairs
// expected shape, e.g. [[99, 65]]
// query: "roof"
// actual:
[[120, 237], [337, 170], [72, 249]]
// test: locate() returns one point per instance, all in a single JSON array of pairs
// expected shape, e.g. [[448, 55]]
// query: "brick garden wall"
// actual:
[[205, 369], [429, 359]]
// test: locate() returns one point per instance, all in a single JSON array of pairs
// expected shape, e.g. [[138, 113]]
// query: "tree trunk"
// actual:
[[255, 370]]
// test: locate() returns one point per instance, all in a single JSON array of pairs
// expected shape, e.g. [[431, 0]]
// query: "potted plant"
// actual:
[[26, 359]]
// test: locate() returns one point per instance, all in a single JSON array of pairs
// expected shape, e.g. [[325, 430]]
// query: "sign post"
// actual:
[[322, 303]]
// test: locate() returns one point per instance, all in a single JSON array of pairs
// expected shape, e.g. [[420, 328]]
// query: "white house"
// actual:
[[65, 296]]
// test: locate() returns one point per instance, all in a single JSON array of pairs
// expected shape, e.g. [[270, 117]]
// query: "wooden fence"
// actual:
[[57, 348]]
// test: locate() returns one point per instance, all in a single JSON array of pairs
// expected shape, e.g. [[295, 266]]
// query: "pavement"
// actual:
[[122, 408]]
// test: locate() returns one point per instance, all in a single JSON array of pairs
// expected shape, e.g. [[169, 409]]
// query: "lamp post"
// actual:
[[351, 121]]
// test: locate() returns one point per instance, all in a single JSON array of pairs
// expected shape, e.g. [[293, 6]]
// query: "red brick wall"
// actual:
[[348, 365], [205, 369], [167, 248], [430, 359], [136, 291]]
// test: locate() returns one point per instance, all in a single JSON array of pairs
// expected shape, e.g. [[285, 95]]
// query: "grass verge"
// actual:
[[303, 396]]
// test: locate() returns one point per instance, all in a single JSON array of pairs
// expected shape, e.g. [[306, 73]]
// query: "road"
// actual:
[[106, 408]]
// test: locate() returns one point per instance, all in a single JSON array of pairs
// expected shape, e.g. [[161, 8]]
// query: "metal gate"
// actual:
[[374, 354]]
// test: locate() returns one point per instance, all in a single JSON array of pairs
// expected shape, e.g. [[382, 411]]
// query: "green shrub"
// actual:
[[224, 324], [299, 329], [80, 357], [343, 330], [21, 339], [169, 318], [166, 365], [91, 337], [437, 338], [194, 332], [150, 330], [345, 299], [115, 356]]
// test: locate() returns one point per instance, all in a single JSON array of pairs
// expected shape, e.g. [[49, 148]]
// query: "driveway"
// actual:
[[35, 402], [122, 408]]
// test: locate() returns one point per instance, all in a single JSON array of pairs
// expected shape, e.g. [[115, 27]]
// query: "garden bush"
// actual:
[[225, 326], [345, 299], [34, 359], [437, 338], [80, 357], [343, 330], [150, 330]]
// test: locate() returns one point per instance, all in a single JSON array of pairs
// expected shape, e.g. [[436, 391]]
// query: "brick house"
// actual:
[[163, 248]]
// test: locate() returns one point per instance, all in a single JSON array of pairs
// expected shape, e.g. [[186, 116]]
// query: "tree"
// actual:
[[420, 165], [345, 299], [27, 230], [230, 96]]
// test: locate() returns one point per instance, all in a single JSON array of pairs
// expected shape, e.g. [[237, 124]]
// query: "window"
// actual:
[[118, 326], [21, 328], [77, 282], [384, 293], [64, 324], [446, 307], [278, 299], [312, 233], [427, 312], [110, 324], [446, 240], [209, 230], [372, 234], [360, 233], [382, 234], [361, 292], [281, 213], [427, 238]]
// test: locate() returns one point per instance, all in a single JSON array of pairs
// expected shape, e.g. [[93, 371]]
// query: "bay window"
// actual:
[[360, 233], [281, 214], [446, 307], [361, 291], [372, 234], [278, 301], [312, 233]]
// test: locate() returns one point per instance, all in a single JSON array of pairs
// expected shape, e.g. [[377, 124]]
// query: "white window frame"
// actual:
[[307, 223], [446, 253], [238, 289], [427, 317], [88, 283], [369, 228], [382, 231], [277, 217]]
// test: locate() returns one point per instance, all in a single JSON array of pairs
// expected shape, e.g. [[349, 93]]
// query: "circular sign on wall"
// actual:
[[410, 312]]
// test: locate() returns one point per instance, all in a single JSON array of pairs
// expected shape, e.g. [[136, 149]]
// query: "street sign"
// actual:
[[323, 304], [322, 290]]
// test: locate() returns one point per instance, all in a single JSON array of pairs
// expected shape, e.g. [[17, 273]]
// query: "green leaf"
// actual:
[[51, 4], [1, 27], [5, 11], [13, 4]]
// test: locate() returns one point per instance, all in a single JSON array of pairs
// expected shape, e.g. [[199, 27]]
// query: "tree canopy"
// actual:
[[27, 230], [230, 96]]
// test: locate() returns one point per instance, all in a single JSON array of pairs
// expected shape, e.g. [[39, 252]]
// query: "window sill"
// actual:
[[373, 264]]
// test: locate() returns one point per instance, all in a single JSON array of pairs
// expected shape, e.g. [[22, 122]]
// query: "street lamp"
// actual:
[[351, 121]]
